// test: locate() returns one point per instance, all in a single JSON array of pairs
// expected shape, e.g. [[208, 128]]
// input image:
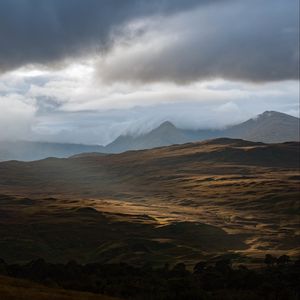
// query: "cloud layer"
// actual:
[[46, 32], [239, 40], [89, 70], [179, 41], [69, 106]]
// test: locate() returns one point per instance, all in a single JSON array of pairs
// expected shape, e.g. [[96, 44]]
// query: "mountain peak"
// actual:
[[272, 113], [269, 113], [165, 128], [166, 124]]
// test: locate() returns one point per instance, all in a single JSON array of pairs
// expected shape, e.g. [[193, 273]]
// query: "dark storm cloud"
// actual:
[[46, 31], [248, 40]]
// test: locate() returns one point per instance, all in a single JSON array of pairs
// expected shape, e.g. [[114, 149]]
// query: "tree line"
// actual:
[[278, 279]]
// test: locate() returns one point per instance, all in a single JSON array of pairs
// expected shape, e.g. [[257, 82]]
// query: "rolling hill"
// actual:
[[176, 203]]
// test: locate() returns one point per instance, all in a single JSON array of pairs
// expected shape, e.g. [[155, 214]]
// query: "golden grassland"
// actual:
[[250, 191]]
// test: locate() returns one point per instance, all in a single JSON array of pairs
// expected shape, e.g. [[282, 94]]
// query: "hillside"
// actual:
[[234, 196], [19, 289], [216, 279]]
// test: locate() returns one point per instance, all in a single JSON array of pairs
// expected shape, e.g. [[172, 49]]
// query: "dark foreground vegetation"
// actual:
[[22, 289], [278, 279]]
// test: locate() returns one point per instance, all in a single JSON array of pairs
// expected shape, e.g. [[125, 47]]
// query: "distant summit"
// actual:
[[164, 135], [268, 127], [270, 114], [167, 125]]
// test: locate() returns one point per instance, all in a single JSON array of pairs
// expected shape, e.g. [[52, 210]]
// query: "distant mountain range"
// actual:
[[25, 150], [268, 127]]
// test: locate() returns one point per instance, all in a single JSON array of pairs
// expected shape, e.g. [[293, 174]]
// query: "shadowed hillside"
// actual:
[[275, 279], [18, 289]]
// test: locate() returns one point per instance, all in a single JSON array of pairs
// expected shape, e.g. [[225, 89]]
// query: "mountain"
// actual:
[[164, 135], [268, 127], [26, 151]]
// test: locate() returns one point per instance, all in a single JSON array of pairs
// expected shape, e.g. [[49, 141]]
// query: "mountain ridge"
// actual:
[[268, 127]]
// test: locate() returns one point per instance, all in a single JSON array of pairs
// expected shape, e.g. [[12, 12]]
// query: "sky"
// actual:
[[86, 71]]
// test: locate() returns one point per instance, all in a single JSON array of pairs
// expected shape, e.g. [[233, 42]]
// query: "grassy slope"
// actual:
[[18, 289], [61, 230]]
